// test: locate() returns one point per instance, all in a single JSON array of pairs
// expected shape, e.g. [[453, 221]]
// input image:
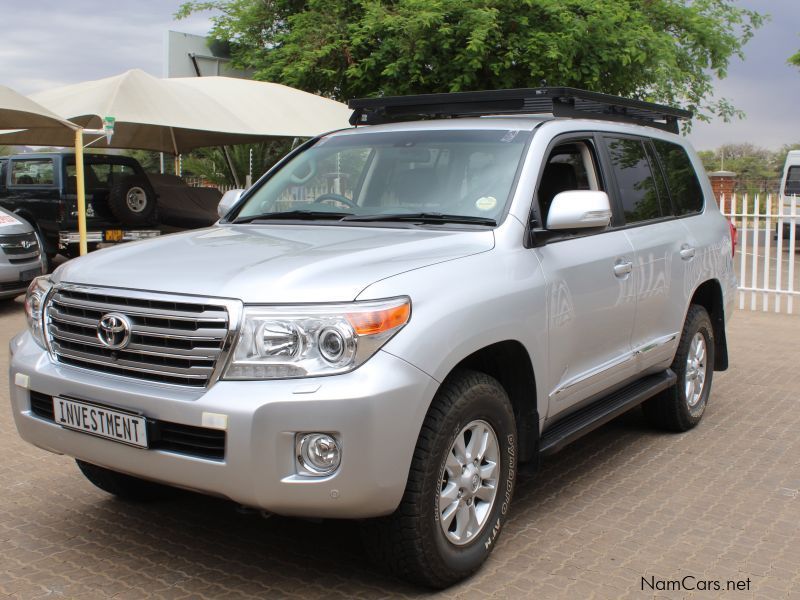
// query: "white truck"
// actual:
[[790, 190]]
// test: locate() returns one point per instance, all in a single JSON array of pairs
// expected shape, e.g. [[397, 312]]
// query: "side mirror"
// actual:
[[229, 198], [579, 209]]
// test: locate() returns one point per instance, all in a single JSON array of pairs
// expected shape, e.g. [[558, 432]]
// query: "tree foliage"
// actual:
[[210, 163], [660, 50], [756, 168]]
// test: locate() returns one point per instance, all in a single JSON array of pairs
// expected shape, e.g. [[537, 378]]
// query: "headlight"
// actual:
[[305, 341], [34, 307]]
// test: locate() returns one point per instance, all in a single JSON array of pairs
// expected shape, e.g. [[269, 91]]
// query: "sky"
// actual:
[[48, 43]]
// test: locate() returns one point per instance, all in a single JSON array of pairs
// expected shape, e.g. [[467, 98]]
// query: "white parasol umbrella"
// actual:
[[20, 112], [177, 115]]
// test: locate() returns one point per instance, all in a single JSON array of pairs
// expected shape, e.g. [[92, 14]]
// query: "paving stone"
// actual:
[[721, 502]]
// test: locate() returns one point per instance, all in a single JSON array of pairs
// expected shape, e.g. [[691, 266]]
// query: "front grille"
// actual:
[[19, 243], [10, 286], [163, 435], [173, 342], [25, 259]]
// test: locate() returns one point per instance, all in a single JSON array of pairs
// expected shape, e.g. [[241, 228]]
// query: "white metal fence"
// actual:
[[766, 251]]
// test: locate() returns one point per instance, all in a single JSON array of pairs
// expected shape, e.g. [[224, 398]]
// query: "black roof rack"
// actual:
[[558, 101]]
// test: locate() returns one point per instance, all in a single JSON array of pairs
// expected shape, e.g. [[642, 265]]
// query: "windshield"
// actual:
[[447, 173]]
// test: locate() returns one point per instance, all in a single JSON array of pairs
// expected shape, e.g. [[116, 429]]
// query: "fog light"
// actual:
[[318, 454]]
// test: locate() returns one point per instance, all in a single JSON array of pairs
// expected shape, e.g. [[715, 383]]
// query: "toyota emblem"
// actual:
[[114, 331]]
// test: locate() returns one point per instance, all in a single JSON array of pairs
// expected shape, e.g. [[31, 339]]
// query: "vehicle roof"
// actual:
[[68, 154], [518, 122]]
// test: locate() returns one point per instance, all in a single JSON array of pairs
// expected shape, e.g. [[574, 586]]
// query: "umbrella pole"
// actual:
[[81, 190]]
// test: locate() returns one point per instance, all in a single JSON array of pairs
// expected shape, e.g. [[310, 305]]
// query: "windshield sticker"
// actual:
[[486, 203], [510, 135], [8, 220]]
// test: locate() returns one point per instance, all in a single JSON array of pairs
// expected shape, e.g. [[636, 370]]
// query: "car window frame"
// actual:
[[614, 194], [21, 187], [546, 236], [688, 155]]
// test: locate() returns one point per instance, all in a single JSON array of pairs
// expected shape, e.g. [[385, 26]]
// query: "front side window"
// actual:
[[635, 182], [32, 171], [570, 166], [447, 172], [684, 187]]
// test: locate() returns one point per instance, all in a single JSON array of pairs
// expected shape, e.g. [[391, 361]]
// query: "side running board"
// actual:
[[600, 412]]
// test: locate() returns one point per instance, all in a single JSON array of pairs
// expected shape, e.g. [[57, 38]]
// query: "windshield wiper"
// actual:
[[425, 217], [304, 215]]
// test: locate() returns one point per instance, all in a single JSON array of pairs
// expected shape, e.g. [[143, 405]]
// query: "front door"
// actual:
[[590, 290]]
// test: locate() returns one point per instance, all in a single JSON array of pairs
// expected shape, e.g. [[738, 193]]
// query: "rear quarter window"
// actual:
[[684, 187], [32, 171]]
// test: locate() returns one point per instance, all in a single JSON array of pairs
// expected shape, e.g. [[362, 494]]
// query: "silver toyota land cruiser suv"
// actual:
[[394, 319]]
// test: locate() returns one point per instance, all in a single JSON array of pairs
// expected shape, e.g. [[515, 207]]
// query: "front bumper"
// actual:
[[12, 283], [376, 411]]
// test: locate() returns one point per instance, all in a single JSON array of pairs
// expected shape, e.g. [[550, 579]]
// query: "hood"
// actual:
[[12, 224], [272, 263]]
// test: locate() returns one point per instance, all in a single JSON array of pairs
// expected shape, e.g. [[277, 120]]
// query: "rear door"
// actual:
[[662, 248]]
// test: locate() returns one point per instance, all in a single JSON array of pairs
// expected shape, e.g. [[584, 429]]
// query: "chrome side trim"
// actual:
[[615, 363], [657, 343], [599, 370]]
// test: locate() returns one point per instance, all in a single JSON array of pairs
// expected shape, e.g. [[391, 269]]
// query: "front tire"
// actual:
[[681, 407], [125, 487], [459, 486]]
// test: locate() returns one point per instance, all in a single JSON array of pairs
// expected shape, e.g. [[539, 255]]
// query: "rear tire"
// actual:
[[132, 201], [449, 518], [125, 487], [681, 407]]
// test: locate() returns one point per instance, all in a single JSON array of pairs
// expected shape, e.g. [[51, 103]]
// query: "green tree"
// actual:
[[661, 50], [794, 59]]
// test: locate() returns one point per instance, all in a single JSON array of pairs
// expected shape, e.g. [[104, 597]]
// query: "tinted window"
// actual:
[[33, 171], [792, 182], [635, 182], [684, 187], [661, 183], [98, 176]]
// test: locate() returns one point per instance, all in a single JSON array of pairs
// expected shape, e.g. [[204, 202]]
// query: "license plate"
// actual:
[[29, 274], [113, 235], [127, 428]]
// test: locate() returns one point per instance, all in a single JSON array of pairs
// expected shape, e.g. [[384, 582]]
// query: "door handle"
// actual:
[[623, 268], [687, 252]]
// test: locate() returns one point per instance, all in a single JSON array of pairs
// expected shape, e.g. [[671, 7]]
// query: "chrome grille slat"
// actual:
[[155, 314], [89, 340], [191, 372], [178, 342]]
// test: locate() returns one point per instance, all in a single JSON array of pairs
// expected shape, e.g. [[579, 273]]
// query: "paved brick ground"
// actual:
[[719, 503]]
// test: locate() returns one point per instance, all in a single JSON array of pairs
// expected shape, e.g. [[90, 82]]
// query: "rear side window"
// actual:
[[32, 171], [684, 187], [792, 187], [637, 187]]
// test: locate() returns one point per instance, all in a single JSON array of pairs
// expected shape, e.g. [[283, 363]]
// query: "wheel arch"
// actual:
[[709, 295], [508, 361]]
